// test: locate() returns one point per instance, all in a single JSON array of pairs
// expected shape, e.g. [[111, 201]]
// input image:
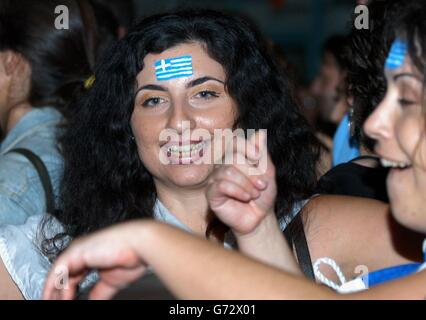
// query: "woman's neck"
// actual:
[[189, 206], [16, 114]]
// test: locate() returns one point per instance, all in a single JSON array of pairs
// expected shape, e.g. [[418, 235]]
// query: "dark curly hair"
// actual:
[[411, 25], [369, 49], [105, 181], [337, 46]]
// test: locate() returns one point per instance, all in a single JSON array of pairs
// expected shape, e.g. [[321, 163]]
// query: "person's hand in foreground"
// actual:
[[110, 251], [193, 268]]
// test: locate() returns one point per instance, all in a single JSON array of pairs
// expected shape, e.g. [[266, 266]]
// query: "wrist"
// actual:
[[141, 232], [264, 230], [267, 244]]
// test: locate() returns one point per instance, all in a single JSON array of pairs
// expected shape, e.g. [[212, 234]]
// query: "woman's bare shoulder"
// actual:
[[358, 231], [329, 203], [332, 211]]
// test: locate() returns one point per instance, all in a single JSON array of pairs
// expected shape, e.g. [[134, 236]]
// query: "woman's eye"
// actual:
[[405, 102], [206, 94], [152, 102]]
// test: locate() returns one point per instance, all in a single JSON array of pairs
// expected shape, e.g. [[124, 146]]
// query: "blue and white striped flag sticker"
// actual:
[[167, 69], [397, 54]]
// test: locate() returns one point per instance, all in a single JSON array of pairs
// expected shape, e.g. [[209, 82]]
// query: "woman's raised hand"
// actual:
[[242, 195]]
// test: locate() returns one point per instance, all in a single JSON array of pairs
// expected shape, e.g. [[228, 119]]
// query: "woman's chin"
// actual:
[[406, 199], [187, 176]]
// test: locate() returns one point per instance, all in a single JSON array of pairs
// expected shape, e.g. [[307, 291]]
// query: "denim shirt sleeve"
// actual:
[[21, 254], [22, 258], [21, 192]]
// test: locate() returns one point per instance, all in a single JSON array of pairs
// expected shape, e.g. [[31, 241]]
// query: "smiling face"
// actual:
[[180, 105], [398, 126]]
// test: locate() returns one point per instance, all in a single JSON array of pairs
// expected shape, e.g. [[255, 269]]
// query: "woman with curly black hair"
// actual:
[[398, 125], [223, 78], [228, 80]]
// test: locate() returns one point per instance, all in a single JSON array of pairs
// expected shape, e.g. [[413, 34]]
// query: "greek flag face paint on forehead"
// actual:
[[177, 67], [397, 54]]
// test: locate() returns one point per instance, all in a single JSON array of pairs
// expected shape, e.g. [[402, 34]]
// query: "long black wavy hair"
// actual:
[[369, 49], [105, 181], [411, 25]]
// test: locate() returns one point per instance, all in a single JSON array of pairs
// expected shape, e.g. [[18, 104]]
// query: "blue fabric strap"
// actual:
[[389, 274]]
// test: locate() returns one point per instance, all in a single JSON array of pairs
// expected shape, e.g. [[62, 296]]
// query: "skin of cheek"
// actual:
[[339, 110], [218, 119], [406, 187], [147, 131], [325, 91], [332, 73]]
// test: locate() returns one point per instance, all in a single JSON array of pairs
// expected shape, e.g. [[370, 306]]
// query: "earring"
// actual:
[[352, 127]]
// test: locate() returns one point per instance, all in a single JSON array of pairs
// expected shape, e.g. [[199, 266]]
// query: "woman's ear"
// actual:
[[18, 69], [10, 61], [14, 64], [15, 83], [5, 80]]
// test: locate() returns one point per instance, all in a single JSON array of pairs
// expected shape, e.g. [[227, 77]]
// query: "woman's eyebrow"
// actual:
[[150, 87], [201, 80], [409, 75], [190, 84]]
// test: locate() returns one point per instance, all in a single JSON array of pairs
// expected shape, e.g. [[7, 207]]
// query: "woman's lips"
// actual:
[[184, 152]]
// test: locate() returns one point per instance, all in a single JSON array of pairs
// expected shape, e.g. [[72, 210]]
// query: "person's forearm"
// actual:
[[193, 268], [8, 291], [268, 245]]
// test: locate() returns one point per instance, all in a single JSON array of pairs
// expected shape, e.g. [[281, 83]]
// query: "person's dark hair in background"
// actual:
[[123, 11], [336, 46], [339, 47], [326, 86], [60, 60], [327, 95], [366, 87], [106, 182]]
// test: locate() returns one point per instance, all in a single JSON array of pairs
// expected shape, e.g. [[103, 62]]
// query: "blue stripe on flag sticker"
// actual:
[[397, 54], [166, 69]]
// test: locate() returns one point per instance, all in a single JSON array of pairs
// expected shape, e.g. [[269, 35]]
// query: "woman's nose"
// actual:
[[378, 125], [181, 118]]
